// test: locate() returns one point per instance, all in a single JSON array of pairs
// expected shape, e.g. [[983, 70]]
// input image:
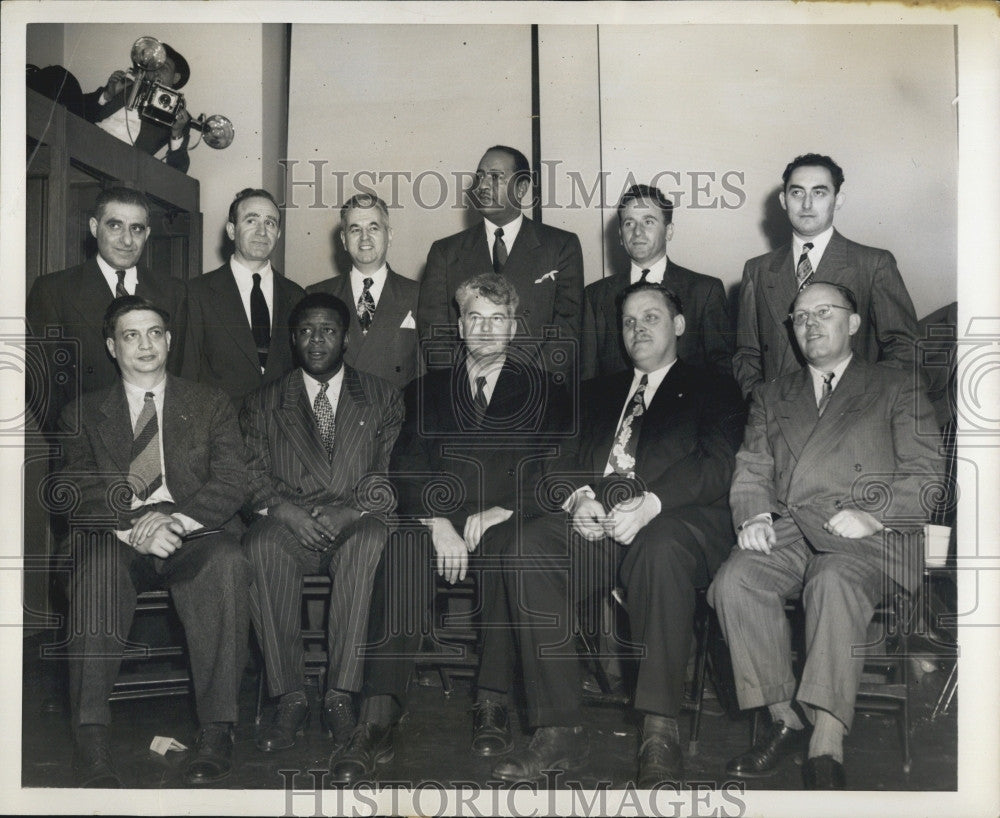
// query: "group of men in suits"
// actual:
[[550, 494]]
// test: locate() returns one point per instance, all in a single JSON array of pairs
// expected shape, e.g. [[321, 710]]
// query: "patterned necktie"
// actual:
[[260, 321], [824, 397], [622, 457], [366, 306], [804, 268], [324, 418], [644, 274], [120, 286], [480, 397], [499, 251], [145, 474]]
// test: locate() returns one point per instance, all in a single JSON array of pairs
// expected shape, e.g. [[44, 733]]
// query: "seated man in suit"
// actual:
[[158, 466], [465, 467], [818, 443], [238, 327], [383, 324], [75, 300], [544, 264], [313, 437], [765, 346], [108, 108], [651, 468], [645, 225]]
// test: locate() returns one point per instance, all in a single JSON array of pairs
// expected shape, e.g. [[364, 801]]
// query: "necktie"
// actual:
[[480, 397], [824, 398], [324, 418], [804, 268], [644, 274], [622, 457], [144, 474], [260, 321], [120, 286], [366, 306], [499, 251]]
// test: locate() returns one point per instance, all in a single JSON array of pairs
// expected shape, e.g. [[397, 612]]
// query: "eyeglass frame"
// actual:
[[815, 312]]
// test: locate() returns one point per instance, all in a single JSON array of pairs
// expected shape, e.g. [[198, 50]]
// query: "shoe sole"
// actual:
[[381, 757], [561, 767], [798, 758]]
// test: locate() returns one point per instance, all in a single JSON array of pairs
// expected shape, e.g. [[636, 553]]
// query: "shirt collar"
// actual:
[[653, 380], [819, 244], [838, 372], [244, 273], [510, 231], [312, 385], [139, 392], [377, 277], [657, 270], [109, 271]]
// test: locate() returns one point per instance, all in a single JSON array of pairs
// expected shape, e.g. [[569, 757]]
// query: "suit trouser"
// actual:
[[839, 595], [208, 580], [403, 597], [279, 563], [549, 570]]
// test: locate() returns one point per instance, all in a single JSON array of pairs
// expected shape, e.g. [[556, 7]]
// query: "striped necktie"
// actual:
[[824, 397], [145, 473], [120, 286], [804, 268], [622, 456]]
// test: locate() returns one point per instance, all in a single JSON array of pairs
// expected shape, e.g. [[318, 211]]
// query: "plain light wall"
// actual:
[[383, 99], [748, 99], [226, 69]]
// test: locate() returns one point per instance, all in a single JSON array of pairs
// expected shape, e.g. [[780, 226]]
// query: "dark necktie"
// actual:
[[144, 474], [324, 418], [499, 251], [120, 286], [644, 274], [824, 397], [622, 456], [480, 397], [366, 306], [260, 321], [804, 268]]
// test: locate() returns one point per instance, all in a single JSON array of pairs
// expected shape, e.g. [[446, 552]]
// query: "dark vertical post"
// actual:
[[536, 132]]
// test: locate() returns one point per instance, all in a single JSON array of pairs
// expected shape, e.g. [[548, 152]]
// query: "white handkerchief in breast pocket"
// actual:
[[550, 274], [408, 322]]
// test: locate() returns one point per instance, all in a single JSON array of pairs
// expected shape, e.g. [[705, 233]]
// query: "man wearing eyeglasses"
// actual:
[[316, 440], [544, 264], [826, 499], [765, 346]]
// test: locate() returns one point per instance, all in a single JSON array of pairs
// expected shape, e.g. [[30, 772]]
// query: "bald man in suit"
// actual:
[[383, 326], [765, 343], [820, 446]]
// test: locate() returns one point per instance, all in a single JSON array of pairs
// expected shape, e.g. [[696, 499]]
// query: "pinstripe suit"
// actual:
[[802, 468], [288, 464]]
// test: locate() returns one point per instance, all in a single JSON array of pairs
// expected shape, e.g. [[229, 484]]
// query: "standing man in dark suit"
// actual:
[[383, 326], [313, 437], [238, 328], [765, 344], [651, 466], [158, 468], [107, 107], [819, 445], [645, 225], [466, 466], [544, 264], [75, 300]]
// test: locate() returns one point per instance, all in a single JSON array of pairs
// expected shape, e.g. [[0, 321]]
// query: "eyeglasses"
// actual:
[[823, 312]]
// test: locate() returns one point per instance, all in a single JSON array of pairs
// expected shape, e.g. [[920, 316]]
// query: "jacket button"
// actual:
[[90, 370], [838, 505], [510, 472], [857, 467], [764, 348]]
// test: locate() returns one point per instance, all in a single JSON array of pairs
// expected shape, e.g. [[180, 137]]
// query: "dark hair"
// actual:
[[814, 160], [493, 287], [121, 195], [674, 304], [180, 66], [320, 301], [846, 293], [653, 195], [363, 200], [522, 168], [250, 193], [126, 304]]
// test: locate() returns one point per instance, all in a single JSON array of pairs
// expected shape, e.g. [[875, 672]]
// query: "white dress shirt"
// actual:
[[510, 232], [819, 374], [131, 276], [819, 244], [657, 270], [358, 284], [244, 282], [491, 372]]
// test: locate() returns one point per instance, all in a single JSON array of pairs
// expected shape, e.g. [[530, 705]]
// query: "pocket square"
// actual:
[[408, 322], [550, 274]]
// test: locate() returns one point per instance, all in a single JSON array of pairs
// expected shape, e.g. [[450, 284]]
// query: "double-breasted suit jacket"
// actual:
[[765, 343], [707, 338], [219, 348], [390, 349]]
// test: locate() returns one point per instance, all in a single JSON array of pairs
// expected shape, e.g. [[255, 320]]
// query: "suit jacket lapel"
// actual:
[[350, 410], [847, 398], [116, 428], [834, 261], [524, 245], [174, 427], [606, 416], [231, 315], [795, 412], [295, 417], [278, 350], [94, 295], [477, 249]]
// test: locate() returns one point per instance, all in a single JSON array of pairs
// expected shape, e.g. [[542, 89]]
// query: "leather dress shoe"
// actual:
[[337, 717], [289, 723], [771, 749], [213, 755], [369, 744], [490, 729], [660, 759], [92, 761], [823, 773], [551, 748]]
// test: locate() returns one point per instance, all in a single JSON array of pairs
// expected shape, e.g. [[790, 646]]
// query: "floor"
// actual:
[[432, 741]]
